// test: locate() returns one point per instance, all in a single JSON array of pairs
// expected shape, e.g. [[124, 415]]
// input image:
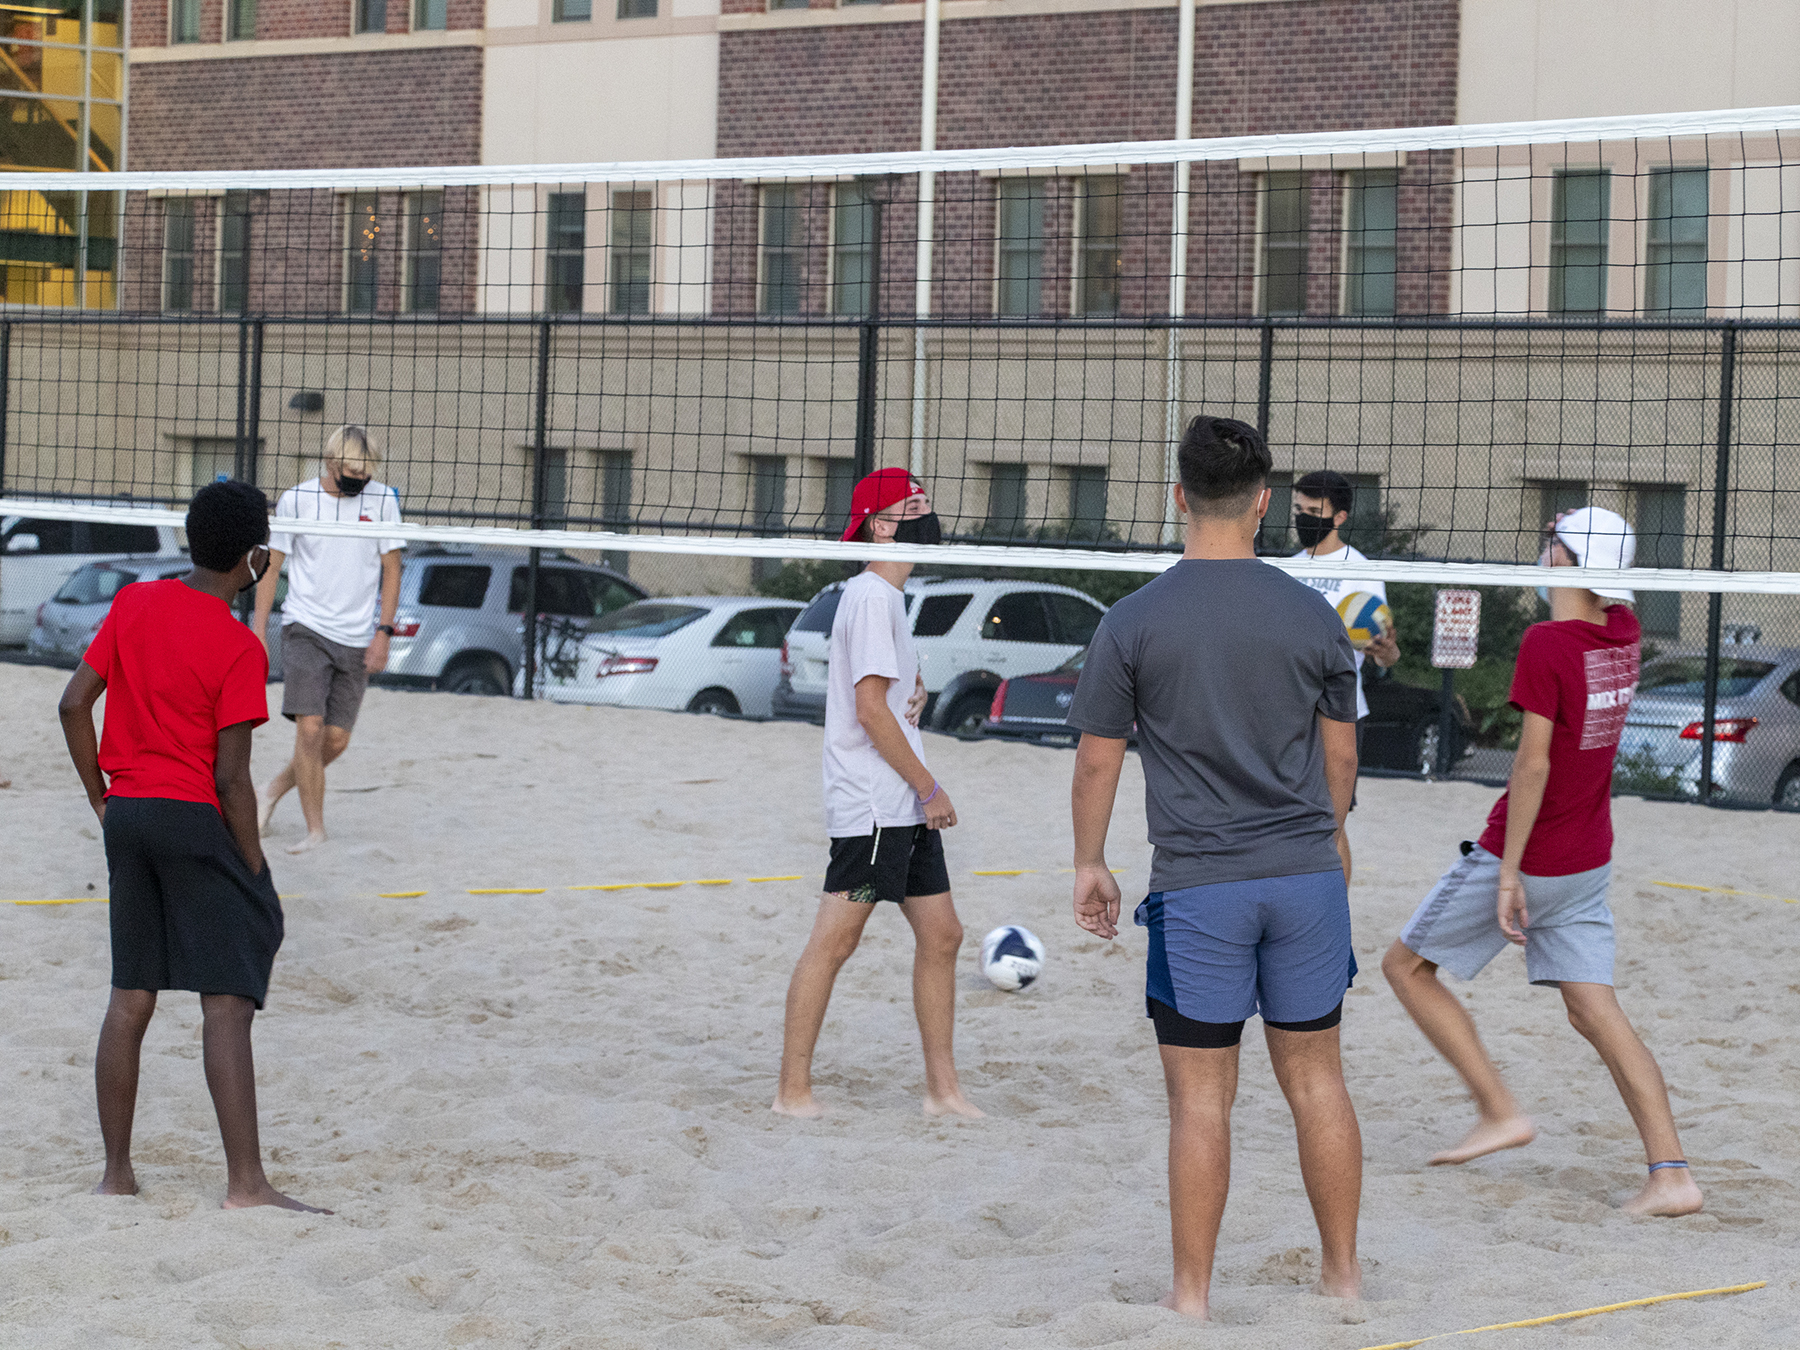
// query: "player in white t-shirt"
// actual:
[[883, 808], [331, 639], [1322, 502]]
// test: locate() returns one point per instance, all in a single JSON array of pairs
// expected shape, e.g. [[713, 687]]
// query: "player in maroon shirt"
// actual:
[[1538, 877], [193, 904]]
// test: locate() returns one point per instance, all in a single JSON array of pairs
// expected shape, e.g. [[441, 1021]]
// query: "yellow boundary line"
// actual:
[[1571, 1316], [1724, 890], [78, 900]]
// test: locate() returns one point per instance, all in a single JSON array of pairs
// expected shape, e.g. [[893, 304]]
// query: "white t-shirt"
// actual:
[[870, 636], [334, 584], [1335, 589]]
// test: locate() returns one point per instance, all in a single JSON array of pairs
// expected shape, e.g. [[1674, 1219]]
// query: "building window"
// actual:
[[178, 254], [783, 253], [768, 484], [371, 16], [240, 20], [1087, 503], [840, 482], [637, 9], [615, 504], [1675, 282], [361, 270], [1102, 256], [1021, 245], [565, 262], [789, 4], [556, 487], [853, 220], [1281, 239], [633, 242], [1553, 498], [1661, 526], [424, 252], [431, 14], [1371, 233], [1579, 216], [1006, 500], [184, 21], [571, 11], [211, 459], [234, 253]]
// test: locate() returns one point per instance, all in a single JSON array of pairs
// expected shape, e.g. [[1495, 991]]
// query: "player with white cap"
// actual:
[[1538, 877]]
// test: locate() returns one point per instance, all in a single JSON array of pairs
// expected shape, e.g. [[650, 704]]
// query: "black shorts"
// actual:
[[891, 864], [1172, 1028], [186, 912]]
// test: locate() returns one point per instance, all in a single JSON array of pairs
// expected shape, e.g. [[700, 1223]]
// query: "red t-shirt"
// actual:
[[178, 667], [1581, 676]]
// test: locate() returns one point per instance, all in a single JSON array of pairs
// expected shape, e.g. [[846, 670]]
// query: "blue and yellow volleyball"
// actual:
[[1366, 618]]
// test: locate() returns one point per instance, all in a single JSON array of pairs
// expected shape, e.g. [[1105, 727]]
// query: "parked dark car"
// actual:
[[1401, 731]]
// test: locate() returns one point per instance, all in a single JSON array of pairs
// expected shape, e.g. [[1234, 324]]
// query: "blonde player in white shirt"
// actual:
[[331, 638], [1322, 501]]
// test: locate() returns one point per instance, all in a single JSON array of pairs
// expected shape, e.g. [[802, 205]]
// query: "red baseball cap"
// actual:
[[877, 492]]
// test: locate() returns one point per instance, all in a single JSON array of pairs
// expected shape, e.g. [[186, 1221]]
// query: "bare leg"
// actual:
[[1202, 1086], [937, 935], [1450, 1029], [231, 1078], [315, 746], [1594, 1011], [1311, 1075], [836, 931], [116, 1083]]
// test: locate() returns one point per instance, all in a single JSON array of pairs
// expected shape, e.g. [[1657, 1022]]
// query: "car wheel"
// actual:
[[1787, 791], [485, 675], [1425, 748], [718, 702], [968, 715]]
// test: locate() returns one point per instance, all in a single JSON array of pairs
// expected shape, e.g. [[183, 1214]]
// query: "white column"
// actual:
[[1178, 244], [928, 89]]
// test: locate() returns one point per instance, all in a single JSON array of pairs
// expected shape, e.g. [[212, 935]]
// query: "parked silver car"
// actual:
[[1756, 738], [38, 555], [66, 623]]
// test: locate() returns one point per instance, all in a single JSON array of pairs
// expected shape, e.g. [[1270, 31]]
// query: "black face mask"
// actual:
[[919, 530], [1312, 529], [349, 486]]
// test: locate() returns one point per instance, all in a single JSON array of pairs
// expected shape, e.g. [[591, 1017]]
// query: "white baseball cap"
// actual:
[[1599, 538]]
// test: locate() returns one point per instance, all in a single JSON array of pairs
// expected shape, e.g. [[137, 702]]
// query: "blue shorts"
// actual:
[[1275, 946]]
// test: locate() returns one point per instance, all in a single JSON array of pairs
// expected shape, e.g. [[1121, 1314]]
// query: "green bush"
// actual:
[[803, 578]]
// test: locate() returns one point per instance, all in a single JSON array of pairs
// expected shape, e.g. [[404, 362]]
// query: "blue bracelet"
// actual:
[[1657, 1167]]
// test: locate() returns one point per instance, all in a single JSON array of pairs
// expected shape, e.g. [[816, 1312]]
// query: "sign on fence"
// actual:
[[1455, 626]]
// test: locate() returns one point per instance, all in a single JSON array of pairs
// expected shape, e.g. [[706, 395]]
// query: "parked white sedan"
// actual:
[[701, 653]]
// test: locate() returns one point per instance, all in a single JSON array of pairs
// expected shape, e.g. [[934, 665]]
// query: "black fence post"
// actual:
[[1265, 375], [1715, 602], [867, 346], [539, 435], [252, 453], [1446, 723], [5, 392], [240, 453]]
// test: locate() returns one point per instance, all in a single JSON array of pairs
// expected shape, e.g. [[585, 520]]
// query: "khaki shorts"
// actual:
[[320, 678]]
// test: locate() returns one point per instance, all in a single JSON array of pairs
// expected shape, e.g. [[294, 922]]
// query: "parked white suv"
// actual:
[[969, 634], [38, 555]]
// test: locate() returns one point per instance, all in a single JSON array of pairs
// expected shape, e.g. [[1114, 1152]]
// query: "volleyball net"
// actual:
[[685, 366]]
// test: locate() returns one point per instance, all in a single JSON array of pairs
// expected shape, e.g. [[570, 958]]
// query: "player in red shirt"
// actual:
[[193, 904], [1539, 874]]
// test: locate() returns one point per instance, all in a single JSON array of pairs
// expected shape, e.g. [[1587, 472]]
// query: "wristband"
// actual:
[[926, 799], [387, 628]]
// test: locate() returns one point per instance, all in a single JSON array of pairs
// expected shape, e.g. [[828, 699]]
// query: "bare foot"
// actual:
[[953, 1104], [1488, 1136], [802, 1108], [1666, 1193], [308, 844], [267, 1195], [1340, 1283], [121, 1183], [265, 808], [1187, 1307]]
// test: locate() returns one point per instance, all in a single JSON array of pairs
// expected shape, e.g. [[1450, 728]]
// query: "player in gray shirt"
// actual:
[[1241, 683]]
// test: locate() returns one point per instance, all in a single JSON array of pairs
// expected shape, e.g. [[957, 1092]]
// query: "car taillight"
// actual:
[[787, 666], [999, 707], [1729, 729], [406, 627], [626, 665]]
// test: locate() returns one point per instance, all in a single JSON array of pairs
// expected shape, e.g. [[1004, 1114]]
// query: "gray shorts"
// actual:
[[320, 678], [1568, 929]]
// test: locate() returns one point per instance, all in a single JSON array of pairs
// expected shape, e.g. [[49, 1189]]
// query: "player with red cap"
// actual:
[[883, 808]]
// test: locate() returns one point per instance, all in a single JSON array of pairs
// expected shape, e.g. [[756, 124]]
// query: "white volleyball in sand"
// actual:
[[1011, 958]]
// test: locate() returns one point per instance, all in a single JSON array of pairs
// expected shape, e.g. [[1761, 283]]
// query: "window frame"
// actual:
[[1015, 475], [186, 205], [1081, 300], [413, 218], [1665, 268], [233, 20], [353, 212], [1356, 247], [564, 253], [179, 9], [1295, 241], [864, 250], [1556, 297], [790, 248], [415, 17], [616, 252], [1036, 190], [624, 9], [233, 208], [359, 16], [559, 14]]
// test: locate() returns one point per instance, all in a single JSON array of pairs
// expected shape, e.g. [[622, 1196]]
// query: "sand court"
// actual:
[[542, 1118]]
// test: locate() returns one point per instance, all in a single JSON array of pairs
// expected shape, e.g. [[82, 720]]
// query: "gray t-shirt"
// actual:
[[1225, 666]]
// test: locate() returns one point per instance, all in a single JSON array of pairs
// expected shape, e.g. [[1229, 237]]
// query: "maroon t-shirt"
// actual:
[[1581, 676], [179, 668]]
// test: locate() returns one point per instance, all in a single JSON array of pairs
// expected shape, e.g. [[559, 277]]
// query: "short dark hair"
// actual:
[[1224, 464], [224, 522], [1328, 485]]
